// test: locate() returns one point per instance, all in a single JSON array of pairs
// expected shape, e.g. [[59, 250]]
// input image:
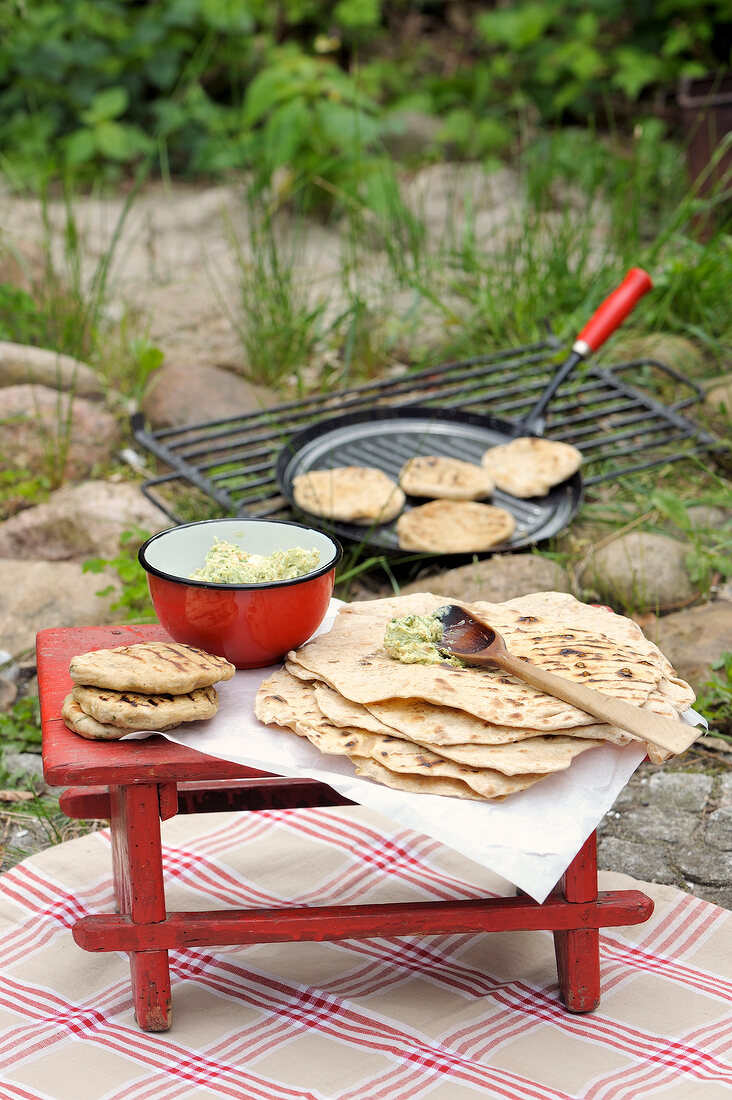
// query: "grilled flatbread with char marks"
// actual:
[[134, 711], [78, 721], [153, 667]]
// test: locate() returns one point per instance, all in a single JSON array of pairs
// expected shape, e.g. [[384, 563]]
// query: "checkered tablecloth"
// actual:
[[445, 1017]]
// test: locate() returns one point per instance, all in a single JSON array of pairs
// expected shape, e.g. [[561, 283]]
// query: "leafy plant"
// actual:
[[710, 556], [20, 727], [714, 699], [134, 600]]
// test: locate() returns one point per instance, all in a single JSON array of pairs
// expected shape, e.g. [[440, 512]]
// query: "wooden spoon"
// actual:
[[476, 643]]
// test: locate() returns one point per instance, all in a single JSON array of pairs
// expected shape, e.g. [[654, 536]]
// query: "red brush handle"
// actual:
[[615, 309]]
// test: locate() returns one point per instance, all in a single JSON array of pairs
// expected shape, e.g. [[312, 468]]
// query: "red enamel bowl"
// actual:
[[251, 625]]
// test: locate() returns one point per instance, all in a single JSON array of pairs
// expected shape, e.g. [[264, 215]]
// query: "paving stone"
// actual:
[[680, 790], [709, 868], [724, 790], [648, 862], [652, 823], [718, 831], [721, 897]]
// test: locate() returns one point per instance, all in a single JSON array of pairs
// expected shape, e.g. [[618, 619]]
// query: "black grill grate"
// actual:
[[619, 427]]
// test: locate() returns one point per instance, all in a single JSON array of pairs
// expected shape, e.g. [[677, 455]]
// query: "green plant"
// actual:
[[710, 555], [134, 600], [277, 320], [714, 699], [20, 727]]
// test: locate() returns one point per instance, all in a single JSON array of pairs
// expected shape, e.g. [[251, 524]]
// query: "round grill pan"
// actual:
[[386, 438]]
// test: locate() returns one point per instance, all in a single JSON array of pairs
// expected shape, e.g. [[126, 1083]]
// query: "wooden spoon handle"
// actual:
[[667, 733]]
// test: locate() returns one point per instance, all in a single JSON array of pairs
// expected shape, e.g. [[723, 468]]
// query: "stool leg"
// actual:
[[140, 893], [578, 950]]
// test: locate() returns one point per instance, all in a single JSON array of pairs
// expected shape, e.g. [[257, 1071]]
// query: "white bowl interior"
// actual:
[[181, 550]]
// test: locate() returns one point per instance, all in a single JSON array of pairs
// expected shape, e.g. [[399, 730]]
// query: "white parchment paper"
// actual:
[[528, 839]]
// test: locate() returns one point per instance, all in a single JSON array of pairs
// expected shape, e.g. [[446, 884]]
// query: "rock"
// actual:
[[647, 862], [181, 395], [46, 432], [708, 517], [665, 347], [35, 595], [711, 868], [22, 265], [446, 194], [718, 397], [639, 571], [411, 134], [8, 693], [678, 792], [719, 829], [80, 522], [692, 639], [20, 363], [496, 579], [24, 763]]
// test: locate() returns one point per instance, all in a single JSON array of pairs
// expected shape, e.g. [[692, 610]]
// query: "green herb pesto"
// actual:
[[229, 564], [413, 640]]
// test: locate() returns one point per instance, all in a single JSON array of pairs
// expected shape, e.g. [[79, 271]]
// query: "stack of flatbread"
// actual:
[[148, 686], [467, 732]]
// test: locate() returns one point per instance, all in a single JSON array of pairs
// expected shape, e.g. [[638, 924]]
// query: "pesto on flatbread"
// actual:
[[466, 732]]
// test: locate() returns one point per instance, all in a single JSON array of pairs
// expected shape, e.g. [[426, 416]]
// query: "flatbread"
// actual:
[[540, 755], [352, 494], [437, 476], [566, 608], [351, 659], [295, 704], [434, 725], [78, 721], [133, 711], [150, 667], [524, 612], [434, 784], [530, 466], [454, 527]]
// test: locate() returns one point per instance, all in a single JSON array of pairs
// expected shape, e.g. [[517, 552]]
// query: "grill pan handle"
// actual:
[[613, 311], [609, 315]]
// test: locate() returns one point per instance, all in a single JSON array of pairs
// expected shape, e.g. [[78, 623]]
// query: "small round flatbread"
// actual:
[[454, 527], [151, 668], [443, 478], [78, 721], [530, 466], [361, 495], [132, 711]]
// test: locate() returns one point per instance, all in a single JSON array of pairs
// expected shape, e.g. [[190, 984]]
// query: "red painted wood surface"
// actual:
[[135, 784], [342, 922], [268, 793], [577, 951]]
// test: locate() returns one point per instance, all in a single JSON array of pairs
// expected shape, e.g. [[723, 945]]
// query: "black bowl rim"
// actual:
[[220, 586]]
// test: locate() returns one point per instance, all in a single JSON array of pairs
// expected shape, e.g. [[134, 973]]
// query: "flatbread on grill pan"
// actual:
[[436, 476], [361, 495], [531, 466], [454, 527]]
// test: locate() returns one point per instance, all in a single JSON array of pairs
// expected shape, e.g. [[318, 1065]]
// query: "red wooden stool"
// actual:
[[136, 784]]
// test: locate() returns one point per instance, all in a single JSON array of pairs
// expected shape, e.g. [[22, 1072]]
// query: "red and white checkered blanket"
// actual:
[[446, 1017]]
